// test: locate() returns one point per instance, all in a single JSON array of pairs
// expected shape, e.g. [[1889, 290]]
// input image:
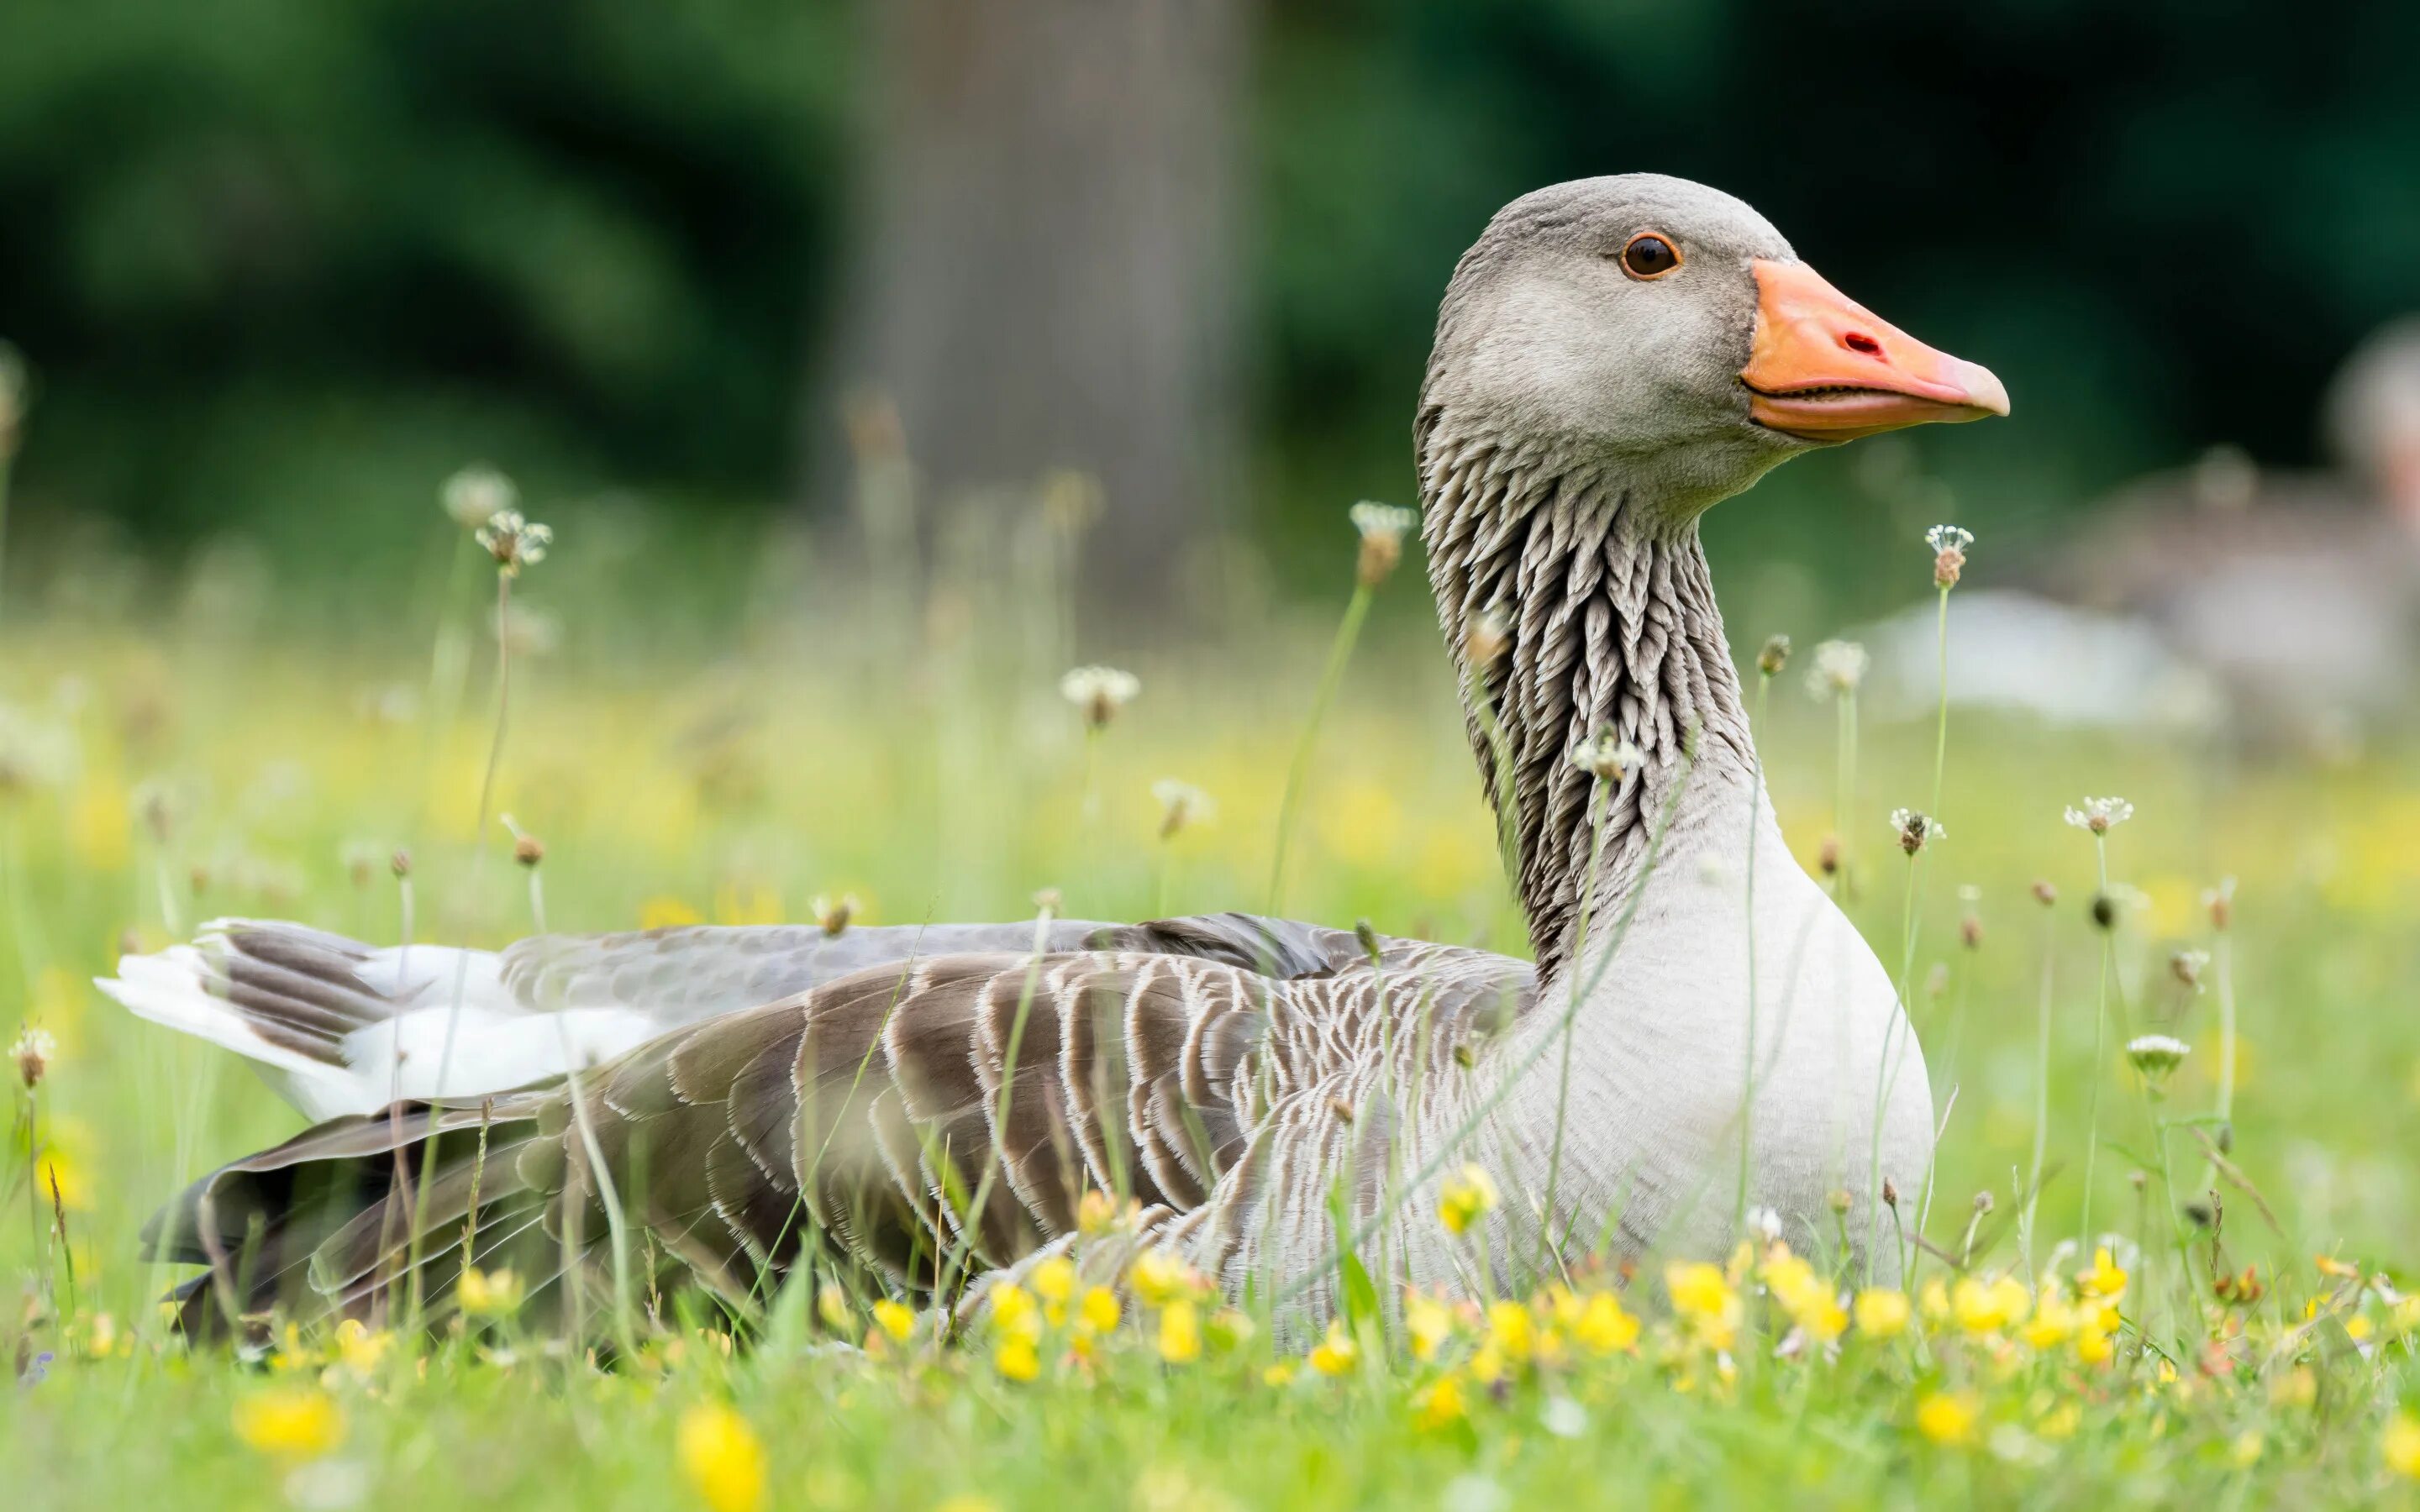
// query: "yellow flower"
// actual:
[[1015, 1358], [1439, 1405], [1231, 1329], [1054, 1279], [488, 1293], [895, 1318], [2060, 1422], [1336, 1353], [2247, 1448], [291, 1422], [2103, 1279], [2405, 1319], [1705, 1302], [1094, 1212], [1180, 1332], [1881, 1312], [1428, 1322], [2402, 1445], [1469, 1196], [2298, 1387], [1947, 1417], [667, 913], [722, 1458], [2053, 1323], [1159, 1277], [1280, 1374], [1986, 1307], [1932, 1302], [1510, 1330], [1099, 1312], [832, 1306], [359, 1350], [2094, 1343], [966, 1501], [1604, 1326], [1014, 1312]]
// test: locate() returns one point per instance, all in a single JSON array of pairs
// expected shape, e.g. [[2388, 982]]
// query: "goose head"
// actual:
[[1663, 332]]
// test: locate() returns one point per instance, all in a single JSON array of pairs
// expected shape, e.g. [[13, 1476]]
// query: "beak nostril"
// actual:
[[1857, 341]]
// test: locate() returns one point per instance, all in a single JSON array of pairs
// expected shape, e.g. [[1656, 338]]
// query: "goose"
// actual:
[[1612, 357]]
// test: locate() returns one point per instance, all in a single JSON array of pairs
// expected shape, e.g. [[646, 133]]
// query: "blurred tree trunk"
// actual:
[[1048, 274]]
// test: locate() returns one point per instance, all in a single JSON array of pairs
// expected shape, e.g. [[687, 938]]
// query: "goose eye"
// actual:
[[1649, 255]]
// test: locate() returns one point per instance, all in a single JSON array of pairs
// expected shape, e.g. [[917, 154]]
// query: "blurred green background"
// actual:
[[279, 267]]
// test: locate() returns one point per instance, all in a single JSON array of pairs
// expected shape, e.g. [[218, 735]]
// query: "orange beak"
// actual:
[[1823, 368]]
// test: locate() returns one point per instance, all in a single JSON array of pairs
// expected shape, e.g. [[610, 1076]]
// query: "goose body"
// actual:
[[928, 1103]]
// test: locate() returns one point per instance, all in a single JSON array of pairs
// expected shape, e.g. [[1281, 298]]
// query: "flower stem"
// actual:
[[2100, 1033], [1597, 804], [1339, 652], [2041, 1087], [1748, 1058]]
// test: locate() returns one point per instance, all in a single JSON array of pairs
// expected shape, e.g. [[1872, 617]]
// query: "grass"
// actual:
[[162, 773]]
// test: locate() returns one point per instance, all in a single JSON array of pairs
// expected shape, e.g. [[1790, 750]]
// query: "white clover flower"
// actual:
[[33, 1052], [1606, 758], [1100, 693], [2156, 1054], [1913, 829], [1839, 666], [1181, 805], [2100, 815], [1382, 528], [476, 495], [514, 542]]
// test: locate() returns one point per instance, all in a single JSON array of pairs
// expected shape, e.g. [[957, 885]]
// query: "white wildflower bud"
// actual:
[[33, 1052], [1839, 666], [1484, 641], [1605, 758], [2100, 815], [1915, 829], [1774, 656], [1181, 805], [1949, 544], [1382, 528], [832, 915], [514, 542], [1099, 692], [476, 495], [2154, 1056]]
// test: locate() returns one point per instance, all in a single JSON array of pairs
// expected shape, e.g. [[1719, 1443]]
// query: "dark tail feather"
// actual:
[[322, 1224]]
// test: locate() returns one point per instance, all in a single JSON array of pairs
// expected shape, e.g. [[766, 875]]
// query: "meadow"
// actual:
[[843, 732]]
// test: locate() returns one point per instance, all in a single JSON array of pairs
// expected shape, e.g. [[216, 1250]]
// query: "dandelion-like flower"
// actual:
[[1839, 666], [1915, 829], [2100, 815], [33, 1052], [1467, 1197], [1181, 805], [1948, 1418], [1382, 528], [1774, 656], [1949, 544], [1606, 758], [2156, 1054], [290, 1423], [1099, 692], [514, 542], [476, 495]]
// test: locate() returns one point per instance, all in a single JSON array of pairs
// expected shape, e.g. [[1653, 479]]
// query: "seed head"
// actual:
[[33, 1052], [400, 864], [2220, 901], [1890, 1192], [1181, 805], [1839, 1199], [1949, 544], [1605, 757], [1827, 856], [514, 542], [528, 850], [1839, 666], [1099, 692], [2045, 893], [2156, 1054], [1486, 638], [1382, 528], [476, 495], [1366, 934], [1774, 656], [2100, 815], [2105, 911], [832, 915], [1915, 829]]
